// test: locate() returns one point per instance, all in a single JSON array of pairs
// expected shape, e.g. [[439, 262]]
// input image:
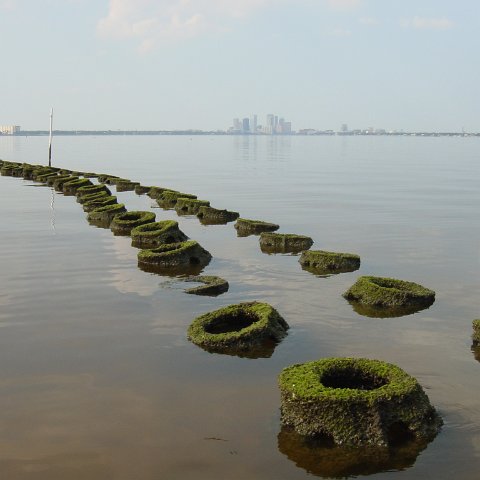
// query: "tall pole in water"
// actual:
[[50, 139]]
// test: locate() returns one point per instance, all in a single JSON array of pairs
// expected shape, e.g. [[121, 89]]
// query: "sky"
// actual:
[[196, 64]]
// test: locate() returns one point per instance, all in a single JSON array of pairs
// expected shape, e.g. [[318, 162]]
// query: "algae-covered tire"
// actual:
[[322, 262], [246, 227], [70, 188], [152, 235], [190, 206], [100, 201], [168, 198], [214, 216], [237, 328], [125, 185], [212, 285], [90, 190], [355, 401], [92, 196], [123, 223], [141, 189], [103, 216], [389, 292], [284, 242], [174, 257], [476, 331], [61, 180]]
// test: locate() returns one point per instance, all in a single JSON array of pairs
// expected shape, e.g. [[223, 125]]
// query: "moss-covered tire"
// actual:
[[237, 329], [103, 216], [190, 206], [71, 187], [123, 223], [125, 185], [152, 235], [355, 401], [215, 216], [212, 285], [90, 190], [174, 258], [284, 242], [324, 263], [476, 332], [246, 227], [382, 292], [98, 202]]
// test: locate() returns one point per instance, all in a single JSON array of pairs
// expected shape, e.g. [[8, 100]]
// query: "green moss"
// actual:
[[92, 189], [246, 227], [92, 196], [125, 185], [100, 201], [141, 189], [155, 192], [154, 234], [389, 292], [45, 177], [476, 331], [61, 180], [174, 258], [51, 180], [103, 216], [168, 198], [237, 328], [214, 216], [322, 262], [189, 206], [212, 285], [70, 187], [123, 223], [284, 242], [356, 401]]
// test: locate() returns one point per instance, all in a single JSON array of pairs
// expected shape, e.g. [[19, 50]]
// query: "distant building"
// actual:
[[9, 129], [273, 125], [245, 125]]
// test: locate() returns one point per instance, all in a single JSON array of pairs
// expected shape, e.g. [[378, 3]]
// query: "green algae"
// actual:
[[61, 180], [189, 206], [355, 401], [383, 292], [168, 198], [284, 242], [91, 189], [323, 263], [212, 285], [238, 329], [125, 185], [100, 201], [103, 216], [246, 227], [152, 235], [123, 223], [476, 331], [92, 196], [141, 189], [174, 258], [214, 216], [71, 187]]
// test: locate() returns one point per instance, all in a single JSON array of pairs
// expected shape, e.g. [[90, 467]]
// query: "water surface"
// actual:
[[97, 378]]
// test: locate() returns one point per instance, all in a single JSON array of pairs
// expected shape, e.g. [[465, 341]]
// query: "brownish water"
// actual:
[[97, 378]]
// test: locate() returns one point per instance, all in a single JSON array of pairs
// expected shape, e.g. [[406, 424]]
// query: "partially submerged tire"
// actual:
[[214, 216], [103, 216], [284, 242], [239, 329], [123, 223], [174, 258], [324, 263], [212, 285], [246, 227], [382, 296], [355, 401], [152, 235]]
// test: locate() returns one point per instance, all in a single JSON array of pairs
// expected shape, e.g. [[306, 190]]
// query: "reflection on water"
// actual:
[[386, 312], [323, 459]]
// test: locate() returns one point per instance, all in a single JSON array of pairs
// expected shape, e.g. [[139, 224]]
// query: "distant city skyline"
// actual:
[[171, 64]]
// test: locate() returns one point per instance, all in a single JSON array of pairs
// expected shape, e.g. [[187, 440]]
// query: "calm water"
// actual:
[[97, 378]]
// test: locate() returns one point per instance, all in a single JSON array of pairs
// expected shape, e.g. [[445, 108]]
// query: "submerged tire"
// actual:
[[355, 401], [123, 223], [238, 329], [152, 235]]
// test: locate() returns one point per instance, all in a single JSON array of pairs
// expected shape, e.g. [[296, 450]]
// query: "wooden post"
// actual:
[[50, 139]]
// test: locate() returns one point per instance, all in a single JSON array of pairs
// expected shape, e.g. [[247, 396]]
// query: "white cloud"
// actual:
[[426, 23], [156, 21]]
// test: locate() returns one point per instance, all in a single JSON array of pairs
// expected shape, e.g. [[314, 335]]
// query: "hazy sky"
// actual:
[[179, 64]]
